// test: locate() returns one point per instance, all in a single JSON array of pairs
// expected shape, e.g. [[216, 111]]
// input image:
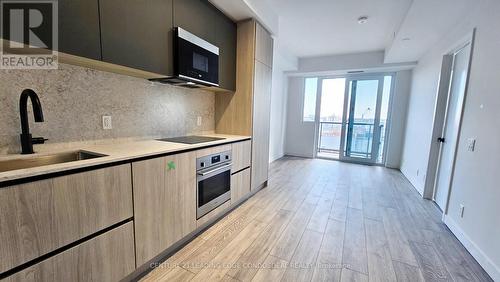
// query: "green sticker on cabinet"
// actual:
[[171, 165]]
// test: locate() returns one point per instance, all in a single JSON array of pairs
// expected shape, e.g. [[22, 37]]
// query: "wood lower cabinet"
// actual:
[[164, 202], [242, 153], [240, 185], [42, 216], [107, 257]]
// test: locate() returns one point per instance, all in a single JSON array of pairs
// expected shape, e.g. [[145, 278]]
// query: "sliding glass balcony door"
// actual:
[[361, 130], [353, 117]]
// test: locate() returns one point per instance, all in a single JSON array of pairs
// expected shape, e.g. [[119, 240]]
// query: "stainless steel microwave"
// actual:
[[196, 61]]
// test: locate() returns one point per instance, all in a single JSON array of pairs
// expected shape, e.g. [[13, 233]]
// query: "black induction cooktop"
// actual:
[[191, 139]]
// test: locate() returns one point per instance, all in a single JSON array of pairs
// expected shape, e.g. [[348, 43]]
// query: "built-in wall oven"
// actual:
[[214, 181]]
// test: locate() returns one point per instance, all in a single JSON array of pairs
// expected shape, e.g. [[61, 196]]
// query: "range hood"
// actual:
[[196, 62], [180, 81]]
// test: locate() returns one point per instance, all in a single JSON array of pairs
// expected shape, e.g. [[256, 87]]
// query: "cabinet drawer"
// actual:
[[242, 152], [240, 185], [107, 257], [39, 217]]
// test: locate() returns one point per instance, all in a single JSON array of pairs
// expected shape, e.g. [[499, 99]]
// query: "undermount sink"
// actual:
[[21, 163]]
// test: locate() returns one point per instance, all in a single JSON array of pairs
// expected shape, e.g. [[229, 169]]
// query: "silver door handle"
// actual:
[[214, 170]]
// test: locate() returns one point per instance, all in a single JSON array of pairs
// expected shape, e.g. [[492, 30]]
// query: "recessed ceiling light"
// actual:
[[362, 20]]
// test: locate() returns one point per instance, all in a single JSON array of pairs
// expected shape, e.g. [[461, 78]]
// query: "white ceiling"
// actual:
[[314, 28], [425, 24], [326, 27]]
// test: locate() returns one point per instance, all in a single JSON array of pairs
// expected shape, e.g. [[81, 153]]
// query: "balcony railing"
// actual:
[[329, 136], [361, 141]]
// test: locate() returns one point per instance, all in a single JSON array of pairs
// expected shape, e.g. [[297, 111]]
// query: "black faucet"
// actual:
[[26, 140]]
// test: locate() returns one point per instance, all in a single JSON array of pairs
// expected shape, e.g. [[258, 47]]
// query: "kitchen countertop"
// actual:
[[119, 152]]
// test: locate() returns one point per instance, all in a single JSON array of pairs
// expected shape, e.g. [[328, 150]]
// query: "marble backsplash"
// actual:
[[74, 99]]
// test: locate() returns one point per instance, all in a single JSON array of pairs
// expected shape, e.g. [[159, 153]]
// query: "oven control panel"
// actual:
[[213, 160]]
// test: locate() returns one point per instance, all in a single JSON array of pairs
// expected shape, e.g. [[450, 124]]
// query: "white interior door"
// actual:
[[449, 139]]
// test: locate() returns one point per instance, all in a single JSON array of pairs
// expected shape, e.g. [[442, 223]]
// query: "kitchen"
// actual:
[[248, 140], [141, 146]]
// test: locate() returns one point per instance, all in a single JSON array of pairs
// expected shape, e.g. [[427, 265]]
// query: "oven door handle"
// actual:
[[214, 170]]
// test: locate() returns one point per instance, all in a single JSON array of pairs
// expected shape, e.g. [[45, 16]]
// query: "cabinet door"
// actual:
[[39, 217], [240, 185], [107, 257], [241, 155], [226, 41], [263, 46], [197, 17], [79, 28], [261, 116], [164, 202], [138, 34]]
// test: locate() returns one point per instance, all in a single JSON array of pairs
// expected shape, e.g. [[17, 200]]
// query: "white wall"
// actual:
[[419, 120], [282, 62], [399, 107], [299, 134], [476, 182]]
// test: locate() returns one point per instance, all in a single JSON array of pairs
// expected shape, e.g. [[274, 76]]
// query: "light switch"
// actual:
[[471, 144]]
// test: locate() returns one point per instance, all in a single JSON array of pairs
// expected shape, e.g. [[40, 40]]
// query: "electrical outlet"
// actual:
[[106, 123], [471, 144], [198, 121], [462, 209]]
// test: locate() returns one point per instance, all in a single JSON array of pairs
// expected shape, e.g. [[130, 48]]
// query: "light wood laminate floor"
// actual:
[[322, 220]]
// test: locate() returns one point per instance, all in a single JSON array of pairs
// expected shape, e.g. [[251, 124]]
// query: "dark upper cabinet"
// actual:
[[226, 41], [79, 28], [138, 34], [197, 17]]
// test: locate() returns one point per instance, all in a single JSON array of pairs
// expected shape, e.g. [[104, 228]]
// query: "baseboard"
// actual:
[[298, 155], [411, 183], [487, 264], [275, 158]]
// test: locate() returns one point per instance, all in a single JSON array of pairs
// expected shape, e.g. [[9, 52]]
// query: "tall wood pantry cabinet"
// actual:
[[247, 111]]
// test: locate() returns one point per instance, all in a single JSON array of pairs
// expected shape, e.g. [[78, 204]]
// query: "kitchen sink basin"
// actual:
[[21, 163]]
